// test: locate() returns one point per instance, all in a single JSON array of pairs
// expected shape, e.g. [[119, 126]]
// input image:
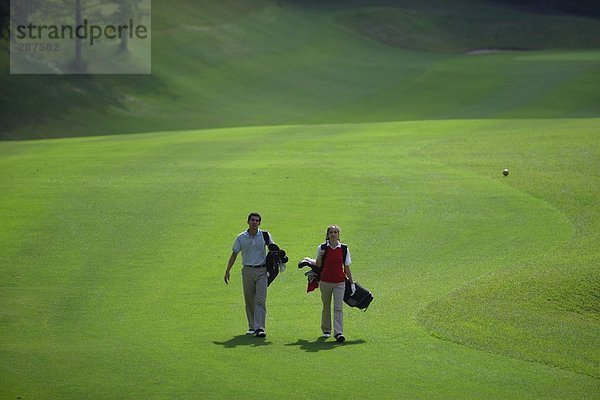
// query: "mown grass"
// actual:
[[551, 300], [277, 63], [115, 248], [112, 248]]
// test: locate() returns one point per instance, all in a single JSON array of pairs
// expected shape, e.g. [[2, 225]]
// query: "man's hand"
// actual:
[[229, 265]]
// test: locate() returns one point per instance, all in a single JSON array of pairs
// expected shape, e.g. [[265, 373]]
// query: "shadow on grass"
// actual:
[[323, 344], [243, 340]]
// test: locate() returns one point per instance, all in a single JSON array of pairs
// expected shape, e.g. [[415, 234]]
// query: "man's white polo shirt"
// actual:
[[252, 247]]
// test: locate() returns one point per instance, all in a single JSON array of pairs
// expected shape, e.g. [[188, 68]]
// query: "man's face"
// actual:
[[254, 222]]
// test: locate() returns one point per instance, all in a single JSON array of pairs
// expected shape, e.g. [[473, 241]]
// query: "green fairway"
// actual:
[[114, 251], [120, 198]]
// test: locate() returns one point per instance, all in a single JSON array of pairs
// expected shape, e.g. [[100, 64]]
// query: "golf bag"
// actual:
[[361, 298], [313, 275], [275, 261]]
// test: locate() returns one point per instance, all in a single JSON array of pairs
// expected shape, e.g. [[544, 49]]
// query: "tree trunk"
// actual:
[[124, 46], [78, 61]]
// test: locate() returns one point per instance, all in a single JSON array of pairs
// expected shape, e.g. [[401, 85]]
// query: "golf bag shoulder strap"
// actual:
[[344, 252], [323, 248], [266, 237]]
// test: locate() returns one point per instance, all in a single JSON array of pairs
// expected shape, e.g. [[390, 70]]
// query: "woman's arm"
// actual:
[[319, 259], [348, 273]]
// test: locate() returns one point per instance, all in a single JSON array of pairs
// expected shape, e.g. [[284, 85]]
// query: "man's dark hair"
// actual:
[[254, 214]]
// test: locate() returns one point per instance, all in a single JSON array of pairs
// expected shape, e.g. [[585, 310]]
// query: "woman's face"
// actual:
[[333, 234]]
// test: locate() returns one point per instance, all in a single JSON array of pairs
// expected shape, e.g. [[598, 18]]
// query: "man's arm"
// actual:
[[229, 265]]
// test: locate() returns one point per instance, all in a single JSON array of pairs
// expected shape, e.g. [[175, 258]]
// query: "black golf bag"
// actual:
[[275, 260], [361, 298]]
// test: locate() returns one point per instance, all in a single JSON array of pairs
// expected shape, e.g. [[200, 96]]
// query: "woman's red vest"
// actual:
[[333, 268]]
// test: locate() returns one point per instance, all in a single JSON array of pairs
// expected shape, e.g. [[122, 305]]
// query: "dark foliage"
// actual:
[[4, 18], [589, 8]]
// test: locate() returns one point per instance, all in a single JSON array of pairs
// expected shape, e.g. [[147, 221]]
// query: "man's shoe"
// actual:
[[260, 333], [250, 332], [339, 337], [326, 334]]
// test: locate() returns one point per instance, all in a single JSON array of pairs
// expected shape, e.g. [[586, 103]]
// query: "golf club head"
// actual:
[[304, 263]]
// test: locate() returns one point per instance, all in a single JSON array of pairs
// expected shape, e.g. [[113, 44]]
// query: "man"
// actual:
[[251, 243]]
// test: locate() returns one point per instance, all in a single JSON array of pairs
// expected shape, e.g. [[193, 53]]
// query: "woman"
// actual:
[[334, 258]]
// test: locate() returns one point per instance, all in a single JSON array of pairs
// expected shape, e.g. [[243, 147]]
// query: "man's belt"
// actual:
[[255, 266]]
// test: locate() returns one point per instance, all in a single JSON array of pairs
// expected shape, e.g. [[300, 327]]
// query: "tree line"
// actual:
[[589, 8]]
